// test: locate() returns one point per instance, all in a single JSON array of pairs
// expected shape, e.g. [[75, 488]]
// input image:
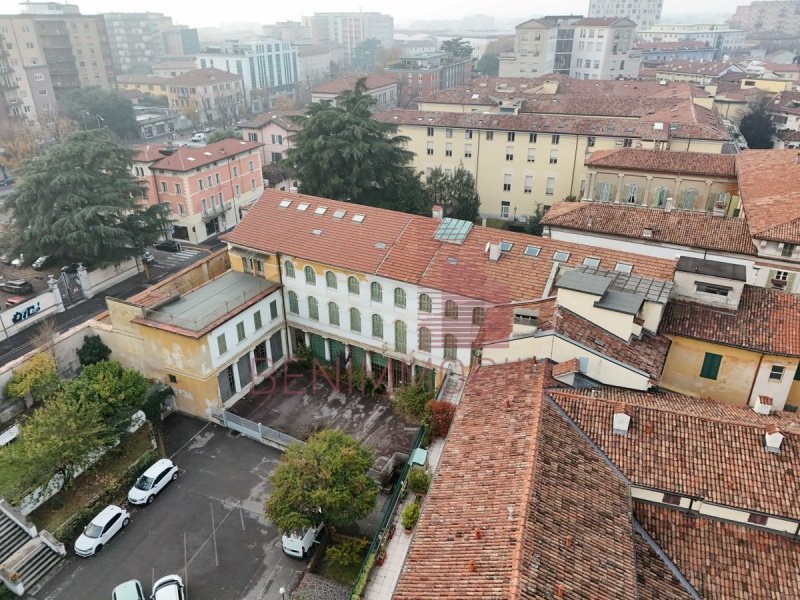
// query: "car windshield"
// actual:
[[93, 530], [144, 483]]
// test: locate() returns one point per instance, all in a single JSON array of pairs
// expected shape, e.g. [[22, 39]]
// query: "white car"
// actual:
[[168, 588], [299, 545], [101, 529], [152, 481], [199, 137]]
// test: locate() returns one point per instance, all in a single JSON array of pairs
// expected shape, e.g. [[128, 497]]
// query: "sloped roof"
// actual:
[[662, 161], [348, 82], [680, 227], [767, 320], [187, 158], [769, 186], [280, 117], [691, 67]]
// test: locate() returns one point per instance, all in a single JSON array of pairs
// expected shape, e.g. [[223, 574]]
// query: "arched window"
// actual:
[[478, 315], [288, 268], [425, 303], [355, 320], [333, 313], [294, 307], [451, 310], [376, 292], [424, 339], [450, 346], [400, 297], [377, 326], [330, 279], [313, 308], [400, 336], [311, 276], [352, 285]]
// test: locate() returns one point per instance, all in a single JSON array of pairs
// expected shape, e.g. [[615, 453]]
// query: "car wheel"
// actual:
[[98, 548], [150, 499], [125, 522], [174, 476]]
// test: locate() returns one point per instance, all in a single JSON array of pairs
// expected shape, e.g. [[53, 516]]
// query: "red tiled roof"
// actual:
[[662, 161], [724, 561], [196, 77], [282, 118], [684, 228], [769, 186], [190, 159], [722, 461], [411, 254], [572, 365], [767, 321], [691, 67], [148, 152], [679, 45], [348, 82], [656, 581]]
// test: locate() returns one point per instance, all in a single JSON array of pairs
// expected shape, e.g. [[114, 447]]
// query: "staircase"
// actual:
[[35, 562], [12, 537], [452, 389]]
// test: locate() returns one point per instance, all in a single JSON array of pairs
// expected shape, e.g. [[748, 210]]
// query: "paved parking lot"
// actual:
[[231, 550]]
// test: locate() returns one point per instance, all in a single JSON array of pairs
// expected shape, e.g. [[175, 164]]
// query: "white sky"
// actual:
[[208, 13]]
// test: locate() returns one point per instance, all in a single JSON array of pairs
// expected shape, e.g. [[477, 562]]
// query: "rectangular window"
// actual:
[[250, 166], [717, 290], [217, 178], [757, 519], [257, 324], [555, 139], [549, 190], [276, 156], [448, 149], [253, 137], [201, 184], [788, 250], [710, 368], [510, 136], [531, 138], [489, 136], [672, 499], [590, 261], [273, 310], [510, 153], [276, 346], [222, 344], [430, 148], [507, 183], [177, 188], [238, 190], [591, 141], [448, 133], [468, 134], [553, 157], [528, 184], [531, 155], [504, 208], [430, 131], [467, 150], [627, 143], [163, 186], [240, 333], [623, 267], [776, 372]]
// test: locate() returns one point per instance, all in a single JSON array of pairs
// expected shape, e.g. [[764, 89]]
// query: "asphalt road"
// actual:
[[231, 551]]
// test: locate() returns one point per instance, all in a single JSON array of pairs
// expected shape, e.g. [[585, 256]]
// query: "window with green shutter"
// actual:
[[240, 331], [257, 323], [330, 279], [352, 285], [377, 326], [425, 303], [399, 297], [311, 276], [711, 364], [222, 344], [294, 307], [273, 310], [288, 268], [333, 313], [376, 292], [313, 308], [355, 319], [400, 336]]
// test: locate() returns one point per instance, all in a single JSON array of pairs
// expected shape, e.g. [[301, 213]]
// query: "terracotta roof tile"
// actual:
[[769, 186], [348, 82], [195, 77], [656, 581], [282, 118], [724, 561], [190, 159], [685, 228], [714, 69], [767, 320], [572, 365], [148, 152], [671, 450], [682, 163]]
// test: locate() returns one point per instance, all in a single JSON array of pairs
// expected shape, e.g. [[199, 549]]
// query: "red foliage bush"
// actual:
[[442, 413]]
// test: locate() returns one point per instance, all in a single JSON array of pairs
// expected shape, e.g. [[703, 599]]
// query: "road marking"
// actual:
[[214, 533], [189, 441]]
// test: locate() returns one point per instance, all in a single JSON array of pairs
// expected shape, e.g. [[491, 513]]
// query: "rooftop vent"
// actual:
[[208, 154], [763, 405], [316, 232], [773, 439], [647, 232], [622, 420], [285, 203], [437, 212], [191, 158]]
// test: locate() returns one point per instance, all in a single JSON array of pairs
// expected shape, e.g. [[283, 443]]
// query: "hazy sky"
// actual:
[[194, 13]]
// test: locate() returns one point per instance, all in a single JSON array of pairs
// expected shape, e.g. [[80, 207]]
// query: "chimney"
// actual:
[[773, 439], [797, 159], [622, 419], [648, 232], [763, 405], [437, 212], [494, 252], [670, 204]]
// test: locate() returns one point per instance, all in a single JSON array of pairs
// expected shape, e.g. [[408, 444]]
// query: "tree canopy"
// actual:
[[366, 53], [455, 192], [80, 202], [217, 135], [324, 480], [344, 154], [489, 64], [457, 47], [757, 126], [96, 108]]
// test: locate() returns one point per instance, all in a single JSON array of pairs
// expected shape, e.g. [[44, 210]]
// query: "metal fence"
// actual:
[[257, 431]]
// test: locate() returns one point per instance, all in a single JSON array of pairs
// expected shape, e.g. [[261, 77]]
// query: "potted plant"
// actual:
[[410, 516], [418, 480], [380, 557]]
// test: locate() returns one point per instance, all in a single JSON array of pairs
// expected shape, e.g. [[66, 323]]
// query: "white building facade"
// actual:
[[645, 13], [604, 49]]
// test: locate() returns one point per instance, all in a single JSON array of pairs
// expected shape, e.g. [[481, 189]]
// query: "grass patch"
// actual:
[[343, 571], [101, 476], [497, 223]]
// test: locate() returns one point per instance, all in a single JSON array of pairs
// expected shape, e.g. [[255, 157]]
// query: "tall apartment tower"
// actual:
[[603, 49], [136, 39], [773, 16], [645, 13], [534, 50], [350, 29]]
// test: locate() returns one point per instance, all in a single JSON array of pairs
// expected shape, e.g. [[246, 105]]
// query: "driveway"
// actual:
[[212, 515]]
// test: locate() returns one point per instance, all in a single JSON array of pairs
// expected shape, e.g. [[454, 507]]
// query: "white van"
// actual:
[[299, 546], [199, 137]]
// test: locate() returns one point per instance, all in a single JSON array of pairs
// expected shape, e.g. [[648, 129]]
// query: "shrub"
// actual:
[[347, 553], [442, 414], [93, 350], [410, 515], [418, 480], [411, 401], [38, 377]]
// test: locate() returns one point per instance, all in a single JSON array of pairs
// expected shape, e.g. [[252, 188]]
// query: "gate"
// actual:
[[257, 431], [70, 288], [318, 347], [337, 352]]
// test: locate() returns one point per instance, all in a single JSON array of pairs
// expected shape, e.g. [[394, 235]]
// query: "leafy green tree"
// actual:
[[222, 134], [117, 391], [489, 64], [534, 225], [37, 378], [456, 193], [324, 480], [148, 99], [366, 53], [342, 153], [80, 202], [96, 108], [457, 47], [93, 350], [757, 126]]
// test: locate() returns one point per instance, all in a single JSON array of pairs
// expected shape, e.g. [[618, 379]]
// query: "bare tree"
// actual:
[[46, 334]]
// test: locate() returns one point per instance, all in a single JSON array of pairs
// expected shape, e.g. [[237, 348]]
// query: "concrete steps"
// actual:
[[12, 537], [37, 564]]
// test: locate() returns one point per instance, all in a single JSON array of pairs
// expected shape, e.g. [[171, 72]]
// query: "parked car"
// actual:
[[199, 137], [148, 257], [7, 181], [130, 590], [299, 545], [70, 268], [43, 262], [152, 481], [17, 286], [168, 246], [101, 529], [13, 301], [18, 262], [168, 588]]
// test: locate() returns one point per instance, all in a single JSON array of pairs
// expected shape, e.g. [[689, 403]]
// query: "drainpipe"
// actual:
[[283, 307], [574, 162], [752, 387]]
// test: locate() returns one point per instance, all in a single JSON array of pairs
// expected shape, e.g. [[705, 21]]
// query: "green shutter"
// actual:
[[711, 364]]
